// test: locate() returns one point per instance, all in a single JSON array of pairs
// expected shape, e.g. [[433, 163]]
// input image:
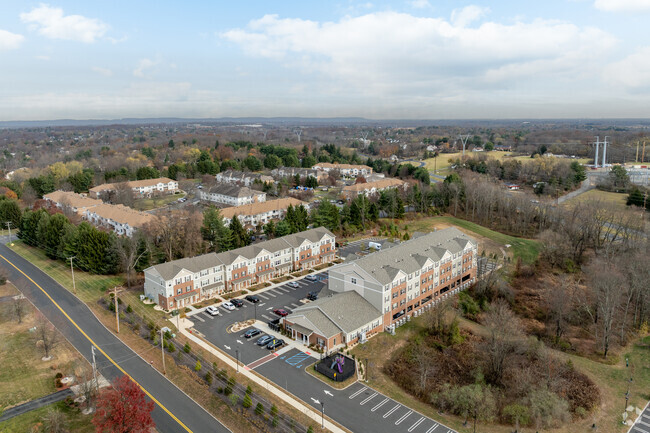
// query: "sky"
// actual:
[[415, 59]]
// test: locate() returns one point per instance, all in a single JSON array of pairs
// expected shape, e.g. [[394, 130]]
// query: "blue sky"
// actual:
[[424, 59]]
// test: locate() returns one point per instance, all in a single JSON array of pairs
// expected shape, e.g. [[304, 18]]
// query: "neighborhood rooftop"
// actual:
[[258, 208], [122, 214], [411, 255], [232, 190], [132, 184], [71, 199]]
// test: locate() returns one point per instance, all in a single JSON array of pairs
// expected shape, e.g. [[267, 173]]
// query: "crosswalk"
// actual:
[[642, 423]]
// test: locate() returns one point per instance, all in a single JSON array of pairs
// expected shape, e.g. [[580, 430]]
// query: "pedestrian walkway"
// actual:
[[35, 404]]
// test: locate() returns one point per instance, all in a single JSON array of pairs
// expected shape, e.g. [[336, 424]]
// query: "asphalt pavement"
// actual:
[[174, 411], [642, 423]]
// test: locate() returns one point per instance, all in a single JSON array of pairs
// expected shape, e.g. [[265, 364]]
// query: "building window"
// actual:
[[354, 280]]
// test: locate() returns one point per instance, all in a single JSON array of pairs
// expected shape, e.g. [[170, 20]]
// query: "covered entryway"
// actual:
[[301, 334]]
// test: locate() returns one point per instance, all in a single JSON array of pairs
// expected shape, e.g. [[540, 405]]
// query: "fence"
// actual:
[[341, 371]]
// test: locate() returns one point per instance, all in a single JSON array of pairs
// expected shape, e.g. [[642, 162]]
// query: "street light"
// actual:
[[322, 414], [237, 353]]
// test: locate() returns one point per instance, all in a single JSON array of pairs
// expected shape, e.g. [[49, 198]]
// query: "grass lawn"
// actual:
[[615, 198], [77, 422], [527, 249], [612, 379], [24, 376], [156, 202], [443, 159]]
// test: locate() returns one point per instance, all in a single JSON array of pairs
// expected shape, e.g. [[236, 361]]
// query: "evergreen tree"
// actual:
[[272, 161], [50, 231], [240, 237], [269, 229], [282, 228], [29, 226], [9, 212], [215, 231]]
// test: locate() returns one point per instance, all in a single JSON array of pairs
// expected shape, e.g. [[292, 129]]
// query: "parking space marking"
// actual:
[[417, 423], [403, 417], [270, 294], [368, 399], [433, 427], [227, 311], [198, 317], [379, 405], [276, 291], [286, 308], [266, 317], [387, 414], [283, 289], [262, 296], [295, 305], [357, 393], [297, 358]]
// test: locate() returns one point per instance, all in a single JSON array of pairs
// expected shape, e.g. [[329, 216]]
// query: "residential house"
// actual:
[[141, 188], [186, 281], [373, 188], [121, 219], [252, 215], [291, 172], [232, 195], [349, 170]]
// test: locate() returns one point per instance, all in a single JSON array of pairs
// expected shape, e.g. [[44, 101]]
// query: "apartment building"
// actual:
[[77, 203], [350, 170], [291, 172], [350, 192], [252, 215], [242, 177], [186, 281], [121, 219], [404, 279], [232, 195], [141, 188]]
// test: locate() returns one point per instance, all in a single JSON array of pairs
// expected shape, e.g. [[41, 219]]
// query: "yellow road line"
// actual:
[[97, 346]]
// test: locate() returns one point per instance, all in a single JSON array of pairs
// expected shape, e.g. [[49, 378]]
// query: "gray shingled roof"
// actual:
[[232, 190], [411, 255], [347, 311], [312, 235]]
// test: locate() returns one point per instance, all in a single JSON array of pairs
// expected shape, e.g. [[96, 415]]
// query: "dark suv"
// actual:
[[252, 298], [237, 303], [312, 296]]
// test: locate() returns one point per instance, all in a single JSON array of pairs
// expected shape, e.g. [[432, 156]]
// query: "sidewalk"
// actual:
[[261, 381]]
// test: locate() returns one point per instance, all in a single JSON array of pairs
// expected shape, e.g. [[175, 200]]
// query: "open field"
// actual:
[[24, 376], [617, 199], [155, 202], [77, 422], [611, 379], [443, 159], [489, 240]]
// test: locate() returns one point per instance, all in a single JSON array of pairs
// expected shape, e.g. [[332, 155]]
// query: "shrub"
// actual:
[[136, 327], [155, 341], [248, 402], [197, 366], [274, 411], [220, 390], [227, 390], [259, 409], [249, 390], [152, 334], [234, 398], [223, 374], [129, 309], [215, 367], [310, 429], [187, 348], [58, 383], [59, 375], [275, 421], [170, 347], [232, 381], [208, 378], [151, 325]]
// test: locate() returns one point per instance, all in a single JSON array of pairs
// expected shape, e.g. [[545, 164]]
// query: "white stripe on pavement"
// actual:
[[433, 427], [379, 405], [368, 399], [417, 423], [357, 393], [403, 417], [270, 294], [295, 305], [198, 317], [387, 414], [262, 296]]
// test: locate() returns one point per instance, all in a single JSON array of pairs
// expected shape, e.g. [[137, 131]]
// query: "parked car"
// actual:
[[252, 333], [311, 277], [274, 343], [237, 303], [293, 284], [281, 312], [312, 296], [212, 310], [228, 306], [252, 298], [264, 340]]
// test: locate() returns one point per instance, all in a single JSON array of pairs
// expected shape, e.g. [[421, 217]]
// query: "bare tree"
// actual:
[[130, 251], [45, 335], [422, 355], [87, 385], [560, 302], [18, 306], [436, 317], [505, 333], [55, 422]]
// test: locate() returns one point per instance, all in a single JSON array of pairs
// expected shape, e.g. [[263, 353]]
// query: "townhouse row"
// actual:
[[186, 281], [140, 188], [383, 289]]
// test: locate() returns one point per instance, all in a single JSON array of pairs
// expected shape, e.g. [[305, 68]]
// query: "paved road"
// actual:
[[35, 404], [642, 423], [77, 323]]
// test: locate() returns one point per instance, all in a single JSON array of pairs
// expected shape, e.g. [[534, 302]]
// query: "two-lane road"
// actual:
[[174, 412]]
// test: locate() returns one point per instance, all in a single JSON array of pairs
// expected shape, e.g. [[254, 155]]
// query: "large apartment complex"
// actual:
[[121, 219], [70, 200], [140, 188], [390, 286], [186, 281], [252, 215], [373, 188], [232, 195], [351, 170], [245, 178]]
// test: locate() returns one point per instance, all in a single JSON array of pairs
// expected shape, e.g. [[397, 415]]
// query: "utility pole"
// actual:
[[9, 227], [74, 287], [92, 349], [322, 415], [643, 154], [237, 352], [637, 152], [604, 151], [596, 157], [117, 310], [162, 350], [463, 139]]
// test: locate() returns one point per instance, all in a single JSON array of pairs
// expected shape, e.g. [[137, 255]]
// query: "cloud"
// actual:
[[52, 23], [632, 73], [391, 53], [102, 71], [10, 41], [420, 4], [142, 67], [467, 15], [623, 5]]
